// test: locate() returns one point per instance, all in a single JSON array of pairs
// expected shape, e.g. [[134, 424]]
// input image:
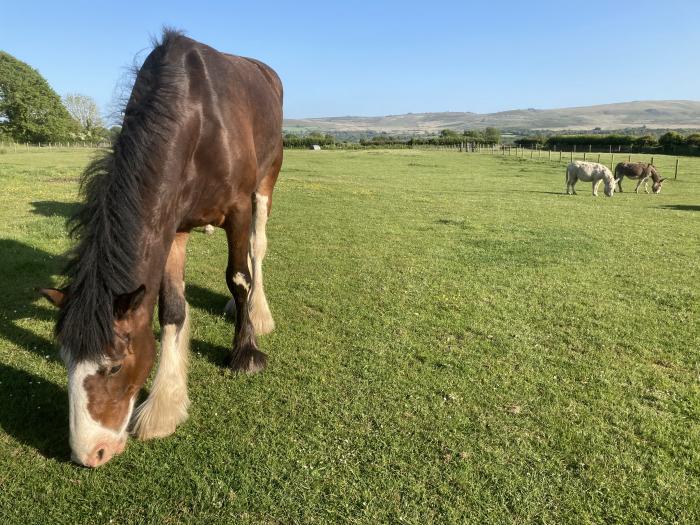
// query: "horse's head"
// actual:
[[102, 390], [609, 185], [656, 186]]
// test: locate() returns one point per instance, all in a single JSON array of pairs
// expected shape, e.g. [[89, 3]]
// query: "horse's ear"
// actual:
[[54, 296], [127, 302]]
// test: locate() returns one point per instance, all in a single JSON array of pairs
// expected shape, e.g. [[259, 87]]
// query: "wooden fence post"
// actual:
[[584, 156], [598, 158], [559, 155], [612, 160], [675, 174], [572, 154]]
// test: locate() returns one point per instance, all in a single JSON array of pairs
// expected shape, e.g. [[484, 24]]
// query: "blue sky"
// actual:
[[377, 58]]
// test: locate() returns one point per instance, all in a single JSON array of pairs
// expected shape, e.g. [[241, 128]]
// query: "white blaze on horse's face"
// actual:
[[92, 443]]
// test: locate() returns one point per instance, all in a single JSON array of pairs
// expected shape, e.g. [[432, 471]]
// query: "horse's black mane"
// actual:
[[107, 226]]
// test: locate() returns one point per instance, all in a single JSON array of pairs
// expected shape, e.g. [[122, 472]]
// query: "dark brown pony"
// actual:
[[200, 144], [640, 172]]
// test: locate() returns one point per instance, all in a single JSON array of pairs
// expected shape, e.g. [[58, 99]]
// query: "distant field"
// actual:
[[457, 342]]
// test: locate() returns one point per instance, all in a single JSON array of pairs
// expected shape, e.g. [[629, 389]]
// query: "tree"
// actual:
[[693, 139], [448, 133], [83, 109], [492, 135], [534, 141], [646, 141], [671, 139], [472, 135], [30, 111]]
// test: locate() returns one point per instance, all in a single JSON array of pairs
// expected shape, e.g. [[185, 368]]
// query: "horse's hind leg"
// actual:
[[245, 356], [260, 314], [167, 404]]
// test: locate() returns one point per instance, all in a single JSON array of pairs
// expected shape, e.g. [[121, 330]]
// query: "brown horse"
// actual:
[[201, 144], [641, 172]]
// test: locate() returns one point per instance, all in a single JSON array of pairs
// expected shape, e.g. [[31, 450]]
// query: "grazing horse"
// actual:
[[201, 144], [589, 172], [640, 171]]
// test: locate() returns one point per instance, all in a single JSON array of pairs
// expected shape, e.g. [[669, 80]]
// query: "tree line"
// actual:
[[669, 141], [446, 137], [32, 112]]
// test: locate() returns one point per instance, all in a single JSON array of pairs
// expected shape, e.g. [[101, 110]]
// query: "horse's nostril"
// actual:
[[100, 454]]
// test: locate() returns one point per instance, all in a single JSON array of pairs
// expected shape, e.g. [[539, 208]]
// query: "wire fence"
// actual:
[[669, 165], [17, 147]]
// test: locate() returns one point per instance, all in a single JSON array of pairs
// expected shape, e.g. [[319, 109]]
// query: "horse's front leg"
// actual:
[[245, 356], [167, 404], [639, 183], [596, 184]]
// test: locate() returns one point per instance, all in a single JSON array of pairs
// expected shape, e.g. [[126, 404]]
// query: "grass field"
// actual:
[[457, 342]]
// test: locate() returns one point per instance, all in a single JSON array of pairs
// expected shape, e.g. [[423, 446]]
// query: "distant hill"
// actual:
[[653, 114]]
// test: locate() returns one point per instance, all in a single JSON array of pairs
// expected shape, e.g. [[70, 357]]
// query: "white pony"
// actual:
[[589, 172]]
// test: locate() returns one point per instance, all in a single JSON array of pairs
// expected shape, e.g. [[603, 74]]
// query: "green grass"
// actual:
[[457, 342]]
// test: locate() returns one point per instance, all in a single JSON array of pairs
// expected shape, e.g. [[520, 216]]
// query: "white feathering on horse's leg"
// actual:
[[167, 404], [260, 314]]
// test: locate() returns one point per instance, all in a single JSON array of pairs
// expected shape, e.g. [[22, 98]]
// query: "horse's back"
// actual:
[[232, 123], [633, 170], [587, 171], [234, 97]]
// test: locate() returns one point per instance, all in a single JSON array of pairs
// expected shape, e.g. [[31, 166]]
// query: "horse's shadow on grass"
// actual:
[[55, 208], [212, 303], [35, 412], [204, 299], [24, 269], [681, 207], [34, 409]]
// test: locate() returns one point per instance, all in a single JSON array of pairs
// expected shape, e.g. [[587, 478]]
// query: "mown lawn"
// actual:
[[457, 342]]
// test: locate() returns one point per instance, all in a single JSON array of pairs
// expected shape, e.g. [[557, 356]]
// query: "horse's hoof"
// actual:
[[159, 417], [248, 360]]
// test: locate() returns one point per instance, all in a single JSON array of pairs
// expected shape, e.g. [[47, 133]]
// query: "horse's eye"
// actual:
[[115, 369]]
